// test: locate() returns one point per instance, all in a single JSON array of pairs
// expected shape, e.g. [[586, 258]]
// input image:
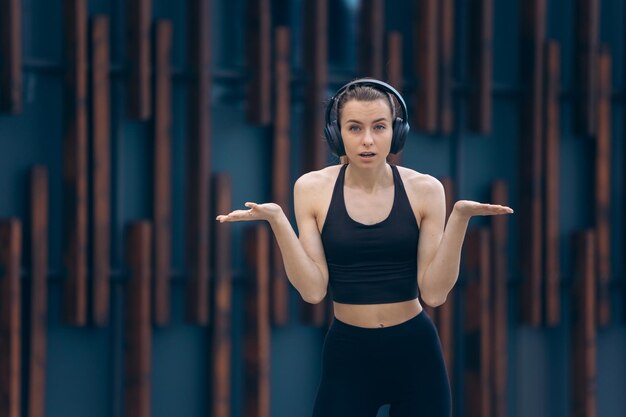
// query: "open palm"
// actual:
[[473, 208], [265, 211]]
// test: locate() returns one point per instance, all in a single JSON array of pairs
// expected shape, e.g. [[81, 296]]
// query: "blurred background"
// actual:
[[126, 126]]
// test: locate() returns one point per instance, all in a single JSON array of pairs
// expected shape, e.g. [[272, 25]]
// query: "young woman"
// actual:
[[373, 234]]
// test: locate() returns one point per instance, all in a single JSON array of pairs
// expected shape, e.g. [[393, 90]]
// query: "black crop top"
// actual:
[[371, 264]]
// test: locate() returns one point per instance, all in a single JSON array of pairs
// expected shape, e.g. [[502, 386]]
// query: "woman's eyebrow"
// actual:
[[382, 119]]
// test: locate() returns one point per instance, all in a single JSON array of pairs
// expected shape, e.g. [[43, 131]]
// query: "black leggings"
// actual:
[[365, 368]]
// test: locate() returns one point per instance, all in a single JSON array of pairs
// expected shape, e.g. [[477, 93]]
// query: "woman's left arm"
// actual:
[[439, 250]]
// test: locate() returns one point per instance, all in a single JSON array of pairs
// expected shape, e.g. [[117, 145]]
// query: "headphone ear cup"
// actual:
[[400, 132], [333, 137]]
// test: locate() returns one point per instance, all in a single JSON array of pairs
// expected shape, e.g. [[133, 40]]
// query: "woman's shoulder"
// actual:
[[419, 181], [315, 180]]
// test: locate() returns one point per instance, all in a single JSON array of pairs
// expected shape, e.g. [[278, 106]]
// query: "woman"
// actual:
[[373, 234]]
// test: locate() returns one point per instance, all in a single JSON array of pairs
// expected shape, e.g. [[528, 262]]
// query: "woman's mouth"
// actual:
[[367, 154]]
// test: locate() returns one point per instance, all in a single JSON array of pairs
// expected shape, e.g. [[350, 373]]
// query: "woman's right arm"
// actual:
[[303, 257]]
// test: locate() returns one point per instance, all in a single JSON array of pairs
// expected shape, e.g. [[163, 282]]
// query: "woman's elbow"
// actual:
[[314, 298], [433, 300]]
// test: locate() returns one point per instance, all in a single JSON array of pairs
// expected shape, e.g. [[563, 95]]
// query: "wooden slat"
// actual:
[[315, 68], [101, 170], [499, 297], [11, 54], [481, 69], [138, 351], [139, 60], [584, 344], [38, 291], [587, 36], [10, 323], [314, 149], [162, 172], [394, 60], [258, 329], [371, 38], [425, 99], [394, 75], [446, 66], [551, 183], [221, 328], [603, 187], [478, 359], [258, 48], [531, 162], [198, 161], [281, 177], [75, 162]]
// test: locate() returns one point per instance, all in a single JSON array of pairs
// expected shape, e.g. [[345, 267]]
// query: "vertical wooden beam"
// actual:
[[10, 323], [372, 38], [425, 99], [315, 73], [394, 60], [11, 56], [603, 186], [584, 344], [394, 75], [38, 291], [75, 162], [139, 60], [199, 161], [162, 172], [281, 177], [221, 329], [587, 36], [623, 230], [314, 149], [446, 65], [101, 174], [532, 43], [552, 135], [478, 384], [499, 297], [481, 54], [258, 45], [138, 353], [258, 330]]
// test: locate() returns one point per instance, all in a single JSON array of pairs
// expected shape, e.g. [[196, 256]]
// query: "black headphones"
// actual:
[[332, 132]]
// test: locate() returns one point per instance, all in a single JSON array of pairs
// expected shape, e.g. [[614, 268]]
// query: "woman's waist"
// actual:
[[377, 315]]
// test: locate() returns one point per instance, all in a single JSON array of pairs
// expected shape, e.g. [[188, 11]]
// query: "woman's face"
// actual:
[[366, 130]]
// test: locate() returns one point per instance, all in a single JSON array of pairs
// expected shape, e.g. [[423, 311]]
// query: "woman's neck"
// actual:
[[370, 179]]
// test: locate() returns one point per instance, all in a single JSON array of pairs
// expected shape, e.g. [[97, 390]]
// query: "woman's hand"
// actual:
[[266, 211], [467, 208]]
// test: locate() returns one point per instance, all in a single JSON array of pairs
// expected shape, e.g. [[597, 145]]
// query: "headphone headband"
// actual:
[[368, 82], [400, 125]]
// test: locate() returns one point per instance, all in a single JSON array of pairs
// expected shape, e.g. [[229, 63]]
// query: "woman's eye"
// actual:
[[380, 127], [354, 128]]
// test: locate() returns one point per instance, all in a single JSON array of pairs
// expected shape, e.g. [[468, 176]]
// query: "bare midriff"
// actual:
[[377, 315]]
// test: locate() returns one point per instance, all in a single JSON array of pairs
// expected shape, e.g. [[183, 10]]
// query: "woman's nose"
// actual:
[[368, 137]]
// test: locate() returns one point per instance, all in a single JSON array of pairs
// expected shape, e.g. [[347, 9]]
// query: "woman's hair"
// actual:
[[365, 93]]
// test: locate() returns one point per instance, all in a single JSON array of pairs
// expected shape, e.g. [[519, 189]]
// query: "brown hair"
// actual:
[[364, 93]]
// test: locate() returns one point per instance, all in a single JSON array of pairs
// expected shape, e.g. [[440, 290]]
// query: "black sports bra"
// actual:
[[371, 264]]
